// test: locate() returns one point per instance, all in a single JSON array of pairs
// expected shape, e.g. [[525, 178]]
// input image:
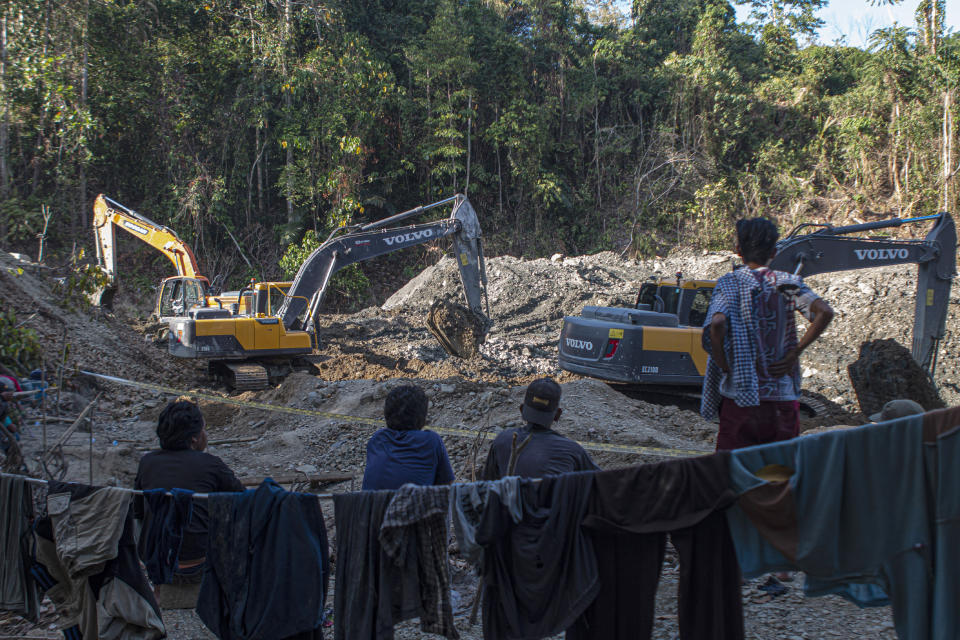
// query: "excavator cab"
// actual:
[[178, 295]]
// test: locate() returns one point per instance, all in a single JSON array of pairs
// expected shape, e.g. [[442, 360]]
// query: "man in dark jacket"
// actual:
[[540, 450], [181, 463], [403, 452]]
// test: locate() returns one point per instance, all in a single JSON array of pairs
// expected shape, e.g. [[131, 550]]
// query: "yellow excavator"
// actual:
[[248, 345], [177, 294]]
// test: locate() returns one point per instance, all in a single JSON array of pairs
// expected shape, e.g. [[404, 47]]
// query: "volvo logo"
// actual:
[[881, 254], [579, 344], [409, 237], [133, 227]]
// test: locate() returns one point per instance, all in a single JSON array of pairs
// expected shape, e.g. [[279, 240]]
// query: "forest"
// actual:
[[572, 126]]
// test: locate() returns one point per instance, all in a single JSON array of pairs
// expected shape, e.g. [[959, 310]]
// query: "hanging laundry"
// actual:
[[414, 535], [853, 516], [373, 593], [187, 469], [87, 562], [539, 574], [468, 501], [162, 535], [267, 565], [942, 448], [629, 515], [18, 593]]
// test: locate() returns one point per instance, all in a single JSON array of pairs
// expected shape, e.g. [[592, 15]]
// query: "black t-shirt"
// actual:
[[547, 453], [185, 469]]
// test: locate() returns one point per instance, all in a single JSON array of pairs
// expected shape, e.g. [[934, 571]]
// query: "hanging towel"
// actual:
[[163, 534]]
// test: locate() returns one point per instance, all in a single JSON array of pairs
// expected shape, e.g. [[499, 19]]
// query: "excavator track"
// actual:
[[246, 377]]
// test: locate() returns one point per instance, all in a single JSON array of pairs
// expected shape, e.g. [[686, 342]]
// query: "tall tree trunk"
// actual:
[[947, 157], [466, 186], [4, 116], [4, 123], [288, 103], [82, 193]]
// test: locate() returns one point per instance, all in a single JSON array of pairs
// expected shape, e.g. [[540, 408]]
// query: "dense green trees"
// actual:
[[571, 130]]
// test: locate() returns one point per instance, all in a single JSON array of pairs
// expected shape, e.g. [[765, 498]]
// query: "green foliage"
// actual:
[[19, 346], [569, 133], [82, 282], [349, 282]]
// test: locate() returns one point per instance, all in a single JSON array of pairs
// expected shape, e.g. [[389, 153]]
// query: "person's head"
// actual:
[[405, 408], [899, 408], [541, 403], [180, 426], [757, 240]]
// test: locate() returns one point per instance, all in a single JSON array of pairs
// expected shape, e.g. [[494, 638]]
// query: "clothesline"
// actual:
[[199, 496]]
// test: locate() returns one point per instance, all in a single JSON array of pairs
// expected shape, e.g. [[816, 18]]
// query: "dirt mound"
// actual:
[[886, 371], [94, 340]]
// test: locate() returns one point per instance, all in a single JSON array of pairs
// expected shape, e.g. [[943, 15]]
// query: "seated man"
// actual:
[[181, 463], [402, 452], [540, 450]]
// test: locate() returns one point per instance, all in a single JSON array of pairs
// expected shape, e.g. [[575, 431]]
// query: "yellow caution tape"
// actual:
[[447, 431]]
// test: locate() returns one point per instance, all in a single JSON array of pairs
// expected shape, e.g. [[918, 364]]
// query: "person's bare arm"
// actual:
[[822, 315], [718, 331]]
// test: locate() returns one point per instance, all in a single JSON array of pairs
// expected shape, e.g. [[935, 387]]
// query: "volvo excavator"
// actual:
[[249, 349], [177, 294], [657, 342]]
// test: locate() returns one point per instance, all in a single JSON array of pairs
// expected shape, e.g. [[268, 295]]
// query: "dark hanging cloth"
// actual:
[[18, 592], [86, 560], [540, 573], [267, 565], [630, 513], [163, 533], [373, 592]]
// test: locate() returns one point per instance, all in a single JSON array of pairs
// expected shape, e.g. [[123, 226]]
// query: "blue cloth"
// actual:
[[863, 525], [946, 588], [267, 565], [396, 458], [735, 296], [164, 531]]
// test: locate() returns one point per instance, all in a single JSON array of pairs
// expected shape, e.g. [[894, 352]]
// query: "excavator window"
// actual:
[[170, 297], [671, 299], [699, 306], [647, 295], [192, 294]]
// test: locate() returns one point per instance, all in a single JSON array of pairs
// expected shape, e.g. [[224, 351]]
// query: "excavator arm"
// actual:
[[108, 215], [356, 244], [832, 249]]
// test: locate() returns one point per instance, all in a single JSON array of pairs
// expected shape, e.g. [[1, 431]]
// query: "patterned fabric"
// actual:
[[746, 298], [421, 513]]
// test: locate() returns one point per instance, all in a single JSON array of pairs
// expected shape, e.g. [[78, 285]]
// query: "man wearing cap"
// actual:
[[899, 408], [540, 450]]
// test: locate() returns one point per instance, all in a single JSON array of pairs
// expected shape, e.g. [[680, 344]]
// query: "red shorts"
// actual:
[[747, 426]]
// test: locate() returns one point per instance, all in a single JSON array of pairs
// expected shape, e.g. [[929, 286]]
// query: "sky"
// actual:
[[857, 19]]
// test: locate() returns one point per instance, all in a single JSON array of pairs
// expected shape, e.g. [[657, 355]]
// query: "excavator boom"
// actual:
[[832, 249], [109, 214], [376, 239]]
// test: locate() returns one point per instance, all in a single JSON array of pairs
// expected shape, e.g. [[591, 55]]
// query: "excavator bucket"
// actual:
[[459, 330], [103, 297]]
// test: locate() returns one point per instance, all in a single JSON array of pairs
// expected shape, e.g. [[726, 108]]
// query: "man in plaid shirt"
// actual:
[[753, 373]]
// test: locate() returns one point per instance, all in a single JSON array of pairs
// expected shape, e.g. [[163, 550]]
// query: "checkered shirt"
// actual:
[[734, 296], [421, 512]]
